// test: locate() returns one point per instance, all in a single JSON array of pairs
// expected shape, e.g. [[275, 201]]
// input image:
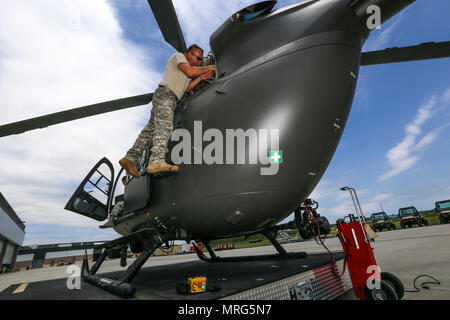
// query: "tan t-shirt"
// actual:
[[174, 78]]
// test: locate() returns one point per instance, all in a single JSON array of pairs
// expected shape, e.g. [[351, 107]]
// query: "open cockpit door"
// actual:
[[93, 196]]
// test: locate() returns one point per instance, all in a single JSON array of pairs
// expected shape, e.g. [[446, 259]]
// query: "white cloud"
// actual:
[[341, 209], [425, 141], [199, 18], [56, 55], [407, 153], [380, 38], [446, 96], [425, 112], [343, 206], [323, 190], [382, 196]]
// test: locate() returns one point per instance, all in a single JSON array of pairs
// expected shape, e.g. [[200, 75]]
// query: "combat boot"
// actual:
[[162, 167], [129, 166], [108, 224]]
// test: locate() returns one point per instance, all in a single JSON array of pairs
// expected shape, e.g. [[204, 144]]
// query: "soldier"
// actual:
[[117, 211], [176, 80]]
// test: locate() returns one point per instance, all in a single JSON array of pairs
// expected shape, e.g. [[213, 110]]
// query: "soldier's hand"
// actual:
[[206, 75]]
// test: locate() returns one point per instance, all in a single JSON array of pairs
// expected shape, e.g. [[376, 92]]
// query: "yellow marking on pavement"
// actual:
[[21, 288]]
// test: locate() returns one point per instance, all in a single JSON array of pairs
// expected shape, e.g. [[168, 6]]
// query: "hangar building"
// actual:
[[12, 234]]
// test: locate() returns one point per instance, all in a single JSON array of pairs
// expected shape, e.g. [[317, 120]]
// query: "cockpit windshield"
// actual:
[[407, 212], [378, 216], [444, 205]]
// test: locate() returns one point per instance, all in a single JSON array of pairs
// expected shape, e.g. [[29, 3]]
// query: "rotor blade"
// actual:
[[168, 23], [428, 50], [74, 114]]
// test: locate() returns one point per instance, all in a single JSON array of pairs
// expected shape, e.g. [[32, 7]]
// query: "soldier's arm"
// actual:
[[193, 72], [197, 80]]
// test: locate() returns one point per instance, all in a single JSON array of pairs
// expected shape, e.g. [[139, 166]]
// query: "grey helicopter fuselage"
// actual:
[[294, 70]]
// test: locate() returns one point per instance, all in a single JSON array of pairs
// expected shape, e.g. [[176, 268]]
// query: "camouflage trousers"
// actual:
[[158, 130], [118, 209]]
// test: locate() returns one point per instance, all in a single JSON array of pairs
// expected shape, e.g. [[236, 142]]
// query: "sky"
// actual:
[[57, 55]]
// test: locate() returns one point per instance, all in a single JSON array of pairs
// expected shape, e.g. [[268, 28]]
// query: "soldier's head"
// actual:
[[194, 55]]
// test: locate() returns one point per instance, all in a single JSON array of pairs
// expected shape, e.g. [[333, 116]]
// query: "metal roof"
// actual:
[[10, 212]]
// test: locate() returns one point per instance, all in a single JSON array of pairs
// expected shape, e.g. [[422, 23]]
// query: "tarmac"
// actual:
[[407, 253]]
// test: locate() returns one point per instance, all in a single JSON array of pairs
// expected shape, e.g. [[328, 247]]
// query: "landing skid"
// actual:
[[282, 254], [148, 238]]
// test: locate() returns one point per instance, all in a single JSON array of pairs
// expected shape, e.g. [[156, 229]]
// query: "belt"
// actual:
[[168, 91]]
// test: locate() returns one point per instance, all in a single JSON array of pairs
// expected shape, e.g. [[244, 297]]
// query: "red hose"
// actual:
[[320, 239]]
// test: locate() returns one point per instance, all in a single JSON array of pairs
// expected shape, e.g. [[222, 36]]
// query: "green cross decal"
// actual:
[[276, 156]]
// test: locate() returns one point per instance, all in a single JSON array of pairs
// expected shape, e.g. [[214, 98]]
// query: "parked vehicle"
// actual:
[[409, 216], [443, 210], [380, 221]]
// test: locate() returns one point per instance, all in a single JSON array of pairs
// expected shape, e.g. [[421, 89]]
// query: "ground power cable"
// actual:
[[323, 244], [424, 285]]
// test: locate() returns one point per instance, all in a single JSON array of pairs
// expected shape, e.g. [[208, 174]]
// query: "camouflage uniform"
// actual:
[[158, 130], [118, 209]]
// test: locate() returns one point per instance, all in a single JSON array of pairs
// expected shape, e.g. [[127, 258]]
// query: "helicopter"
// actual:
[[312, 52]]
